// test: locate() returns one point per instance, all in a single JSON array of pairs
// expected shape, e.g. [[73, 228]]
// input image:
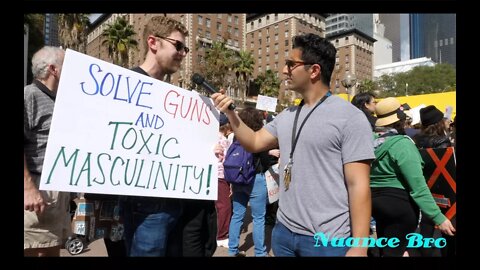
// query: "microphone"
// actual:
[[199, 80]]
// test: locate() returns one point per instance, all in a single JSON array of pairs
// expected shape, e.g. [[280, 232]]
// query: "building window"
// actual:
[[235, 19], [219, 26], [267, 49], [451, 41], [200, 20], [268, 39], [441, 42], [286, 34], [259, 69], [229, 29], [275, 27], [446, 42], [229, 19], [276, 16], [235, 43], [208, 22], [286, 24], [285, 54], [276, 56], [219, 15], [286, 42], [251, 45], [268, 30], [276, 37], [276, 46], [268, 67], [259, 34], [259, 51], [259, 41], [251, 25], [236, 32], [276, 66], [207, 34], [259, 22]]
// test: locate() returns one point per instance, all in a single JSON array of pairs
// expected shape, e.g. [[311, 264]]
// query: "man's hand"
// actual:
[[221, 101], [32, 198]]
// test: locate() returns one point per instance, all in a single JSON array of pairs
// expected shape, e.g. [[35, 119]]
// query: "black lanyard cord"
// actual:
[[295, 138]]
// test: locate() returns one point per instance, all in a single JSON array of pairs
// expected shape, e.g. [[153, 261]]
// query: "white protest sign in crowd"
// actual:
[[115, 131], [266, 103]]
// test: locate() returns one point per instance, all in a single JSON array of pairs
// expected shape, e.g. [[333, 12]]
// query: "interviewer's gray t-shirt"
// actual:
[[335, 134]]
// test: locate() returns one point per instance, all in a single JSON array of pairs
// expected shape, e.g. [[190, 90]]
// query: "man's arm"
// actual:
[[357, 175], [252, 141], [32, 198]]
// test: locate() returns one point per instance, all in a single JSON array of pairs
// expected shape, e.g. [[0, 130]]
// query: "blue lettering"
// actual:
[[109, 75], [93, 77], [320, 236], [414, 240], [143, 93]]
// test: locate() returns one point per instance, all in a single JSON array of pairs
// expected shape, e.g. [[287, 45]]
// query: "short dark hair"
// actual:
[[316, 49], [360, 99], [252, 118]]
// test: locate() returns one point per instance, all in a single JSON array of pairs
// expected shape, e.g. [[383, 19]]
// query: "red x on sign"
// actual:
[[438, 172]]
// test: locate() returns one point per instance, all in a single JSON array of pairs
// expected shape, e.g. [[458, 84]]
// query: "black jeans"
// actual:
[[196, 233]]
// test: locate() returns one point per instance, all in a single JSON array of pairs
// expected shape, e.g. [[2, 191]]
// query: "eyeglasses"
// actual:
[[292, 64], [177, 43]]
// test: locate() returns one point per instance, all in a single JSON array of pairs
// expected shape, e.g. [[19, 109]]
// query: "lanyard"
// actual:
[[295, 138]]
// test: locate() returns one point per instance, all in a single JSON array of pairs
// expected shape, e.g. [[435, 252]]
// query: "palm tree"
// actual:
[[269, 83], [218, 63], [243, 68], [72, 31], [119, 39]]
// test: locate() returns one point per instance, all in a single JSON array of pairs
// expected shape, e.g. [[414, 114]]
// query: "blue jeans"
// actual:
[[286, 243], [257, 194], [148, 222]]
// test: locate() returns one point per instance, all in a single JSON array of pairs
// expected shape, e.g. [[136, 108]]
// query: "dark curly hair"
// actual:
[[252, 118], [318, 50]]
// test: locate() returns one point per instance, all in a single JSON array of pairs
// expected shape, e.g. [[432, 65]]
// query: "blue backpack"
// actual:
[[238, 165]]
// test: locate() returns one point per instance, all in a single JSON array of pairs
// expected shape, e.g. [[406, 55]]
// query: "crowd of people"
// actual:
[[340, 166]]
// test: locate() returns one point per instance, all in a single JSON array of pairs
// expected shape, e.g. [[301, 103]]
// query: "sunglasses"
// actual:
[[179, 46], [292, 64]]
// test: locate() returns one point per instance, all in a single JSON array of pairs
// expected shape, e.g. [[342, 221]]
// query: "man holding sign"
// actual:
[[151, 222]]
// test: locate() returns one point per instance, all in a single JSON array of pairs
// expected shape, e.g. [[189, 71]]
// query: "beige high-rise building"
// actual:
[[269, 38], [203, 30], [354, 56]]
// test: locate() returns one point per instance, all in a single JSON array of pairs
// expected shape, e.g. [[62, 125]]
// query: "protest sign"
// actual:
[[266, 103], [115, 131]]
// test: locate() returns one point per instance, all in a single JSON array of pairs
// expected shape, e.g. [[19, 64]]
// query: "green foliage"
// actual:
[[243, 68], [367, 86], [72, 31], [420, 80], [35, 23], [217, 64], [119, 37], [269, 83]]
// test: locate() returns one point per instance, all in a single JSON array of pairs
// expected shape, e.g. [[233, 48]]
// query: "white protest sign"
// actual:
[[266, 103], [115, 131]]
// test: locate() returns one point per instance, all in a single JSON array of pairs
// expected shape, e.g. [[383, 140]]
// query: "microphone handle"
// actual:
[[210, 88]]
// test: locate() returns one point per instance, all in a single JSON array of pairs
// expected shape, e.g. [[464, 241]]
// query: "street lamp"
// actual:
[[406, 89], [348, 81]]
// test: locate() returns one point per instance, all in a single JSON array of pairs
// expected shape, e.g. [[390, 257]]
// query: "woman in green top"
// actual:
[[398, 186]]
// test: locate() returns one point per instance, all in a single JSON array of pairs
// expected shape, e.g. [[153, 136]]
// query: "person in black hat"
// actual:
[[433, 134]]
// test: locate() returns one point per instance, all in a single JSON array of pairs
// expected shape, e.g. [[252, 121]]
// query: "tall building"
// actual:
[[51, 30], [397, 30], [434, 36], [382, 48], [269, 39], [354, 56], [340, 22]]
